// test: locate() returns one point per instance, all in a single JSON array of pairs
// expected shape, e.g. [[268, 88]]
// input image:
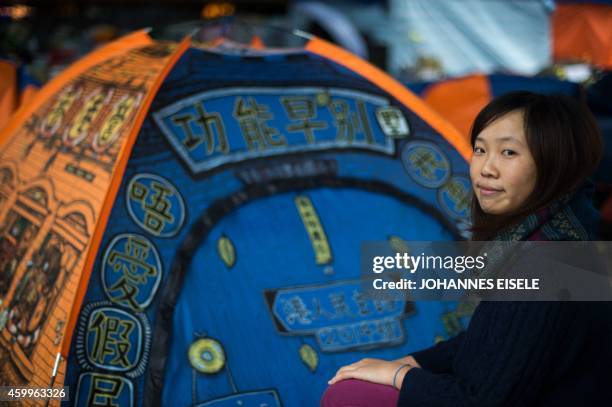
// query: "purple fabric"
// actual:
[[359, 393]]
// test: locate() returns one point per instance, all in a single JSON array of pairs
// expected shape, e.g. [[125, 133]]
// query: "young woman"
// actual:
[[532, 155]]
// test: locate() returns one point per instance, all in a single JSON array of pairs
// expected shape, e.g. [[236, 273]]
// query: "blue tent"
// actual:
[[228, 270]]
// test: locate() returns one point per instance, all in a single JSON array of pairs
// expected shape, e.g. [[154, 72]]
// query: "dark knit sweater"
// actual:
[[519, 354]]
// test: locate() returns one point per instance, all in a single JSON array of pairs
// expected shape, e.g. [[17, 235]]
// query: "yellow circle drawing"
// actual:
[[322, 98], [206, 355]]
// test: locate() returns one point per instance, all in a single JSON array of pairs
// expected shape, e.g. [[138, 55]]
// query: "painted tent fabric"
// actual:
[[59, 155], [219, 251], [245, 200]]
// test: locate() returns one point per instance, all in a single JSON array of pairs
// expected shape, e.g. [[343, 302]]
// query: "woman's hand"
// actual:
[[373, 370]]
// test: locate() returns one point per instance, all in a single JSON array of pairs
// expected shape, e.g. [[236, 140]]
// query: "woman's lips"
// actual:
[[488, 191]]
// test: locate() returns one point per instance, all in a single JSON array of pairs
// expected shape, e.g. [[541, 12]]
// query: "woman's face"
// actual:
[[502, 169]]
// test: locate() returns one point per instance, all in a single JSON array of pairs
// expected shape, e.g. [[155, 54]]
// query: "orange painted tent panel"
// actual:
[[60, 155]]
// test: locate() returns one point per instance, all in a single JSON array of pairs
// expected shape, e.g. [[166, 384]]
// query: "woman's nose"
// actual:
[[489, 167]]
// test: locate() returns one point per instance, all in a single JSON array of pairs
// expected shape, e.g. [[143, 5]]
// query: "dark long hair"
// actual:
[[563, 139]]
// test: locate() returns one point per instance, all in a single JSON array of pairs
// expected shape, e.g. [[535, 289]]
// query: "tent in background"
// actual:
[[459, 100], [582, 31], [17, 88]]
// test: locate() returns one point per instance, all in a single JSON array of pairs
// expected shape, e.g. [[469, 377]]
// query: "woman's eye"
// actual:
[[478, 150], [508, 153]]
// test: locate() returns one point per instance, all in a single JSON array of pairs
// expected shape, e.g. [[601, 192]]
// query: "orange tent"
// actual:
[[583, 32], [12, 93]]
